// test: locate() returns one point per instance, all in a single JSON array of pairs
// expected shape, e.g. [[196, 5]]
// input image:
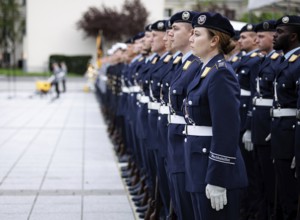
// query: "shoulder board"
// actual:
[[154, 60], [220, 64], [141, 58], [186, 65], [205, 72], [254, 54], [167, 58], [234, 59], [275, 56], [293, 58], [177, 59]]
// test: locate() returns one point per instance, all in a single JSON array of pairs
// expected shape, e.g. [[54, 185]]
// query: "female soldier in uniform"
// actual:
[[214, 168]]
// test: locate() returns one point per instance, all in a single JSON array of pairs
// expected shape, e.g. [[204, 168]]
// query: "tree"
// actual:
[[113, 24], [255, 18], [12, 25]]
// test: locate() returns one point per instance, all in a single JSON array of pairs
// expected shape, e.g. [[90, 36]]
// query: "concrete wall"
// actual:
[[51, 28]]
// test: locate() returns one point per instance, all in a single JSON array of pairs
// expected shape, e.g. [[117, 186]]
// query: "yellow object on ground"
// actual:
[[43, 86]]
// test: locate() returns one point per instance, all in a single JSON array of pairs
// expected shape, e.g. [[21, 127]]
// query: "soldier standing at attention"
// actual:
[[287, 39], [215, 171]]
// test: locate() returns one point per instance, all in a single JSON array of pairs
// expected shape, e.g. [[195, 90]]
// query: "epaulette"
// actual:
[[254, 54], [141, 58], [186, 65], [221, 64], [177, 59], [293, 58], [154, 60], [205, 72], [167, 58], [234, 59], [275, 56]]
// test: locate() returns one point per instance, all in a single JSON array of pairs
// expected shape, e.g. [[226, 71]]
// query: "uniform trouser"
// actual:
[[151, 169], [162, 182], [183, 202], [203, 210], [287, 188], [267, 181], [250, 195], [64, 85]]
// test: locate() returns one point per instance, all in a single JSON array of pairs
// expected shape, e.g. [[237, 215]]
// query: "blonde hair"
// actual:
[[226, 45]]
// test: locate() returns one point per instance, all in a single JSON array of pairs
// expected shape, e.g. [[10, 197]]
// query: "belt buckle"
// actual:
[[271, 112], [298, 114]]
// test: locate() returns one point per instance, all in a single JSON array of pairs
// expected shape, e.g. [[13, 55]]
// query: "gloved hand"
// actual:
[[217, 196], [268, 138], [247, 140], [293, 166]]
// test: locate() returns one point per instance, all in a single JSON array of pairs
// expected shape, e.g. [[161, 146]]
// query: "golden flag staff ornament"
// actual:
[[99, 48]]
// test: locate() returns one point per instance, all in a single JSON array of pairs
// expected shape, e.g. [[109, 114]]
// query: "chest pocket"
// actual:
[[267, 79], [177, 96]]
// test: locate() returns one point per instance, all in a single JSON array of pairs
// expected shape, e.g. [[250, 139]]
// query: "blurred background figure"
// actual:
[[55, 81], [63, 72]]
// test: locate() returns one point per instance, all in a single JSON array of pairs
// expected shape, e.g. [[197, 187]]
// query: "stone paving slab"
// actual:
[[56, 161]]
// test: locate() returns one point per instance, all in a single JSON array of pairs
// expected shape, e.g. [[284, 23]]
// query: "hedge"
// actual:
[[76, 64]]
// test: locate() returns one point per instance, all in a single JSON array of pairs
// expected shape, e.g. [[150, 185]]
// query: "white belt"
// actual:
[[144, 99], [125, 89], [164, 110], [283, 112], [153, 105], [176, 119], [245, 92], [134, 89], [195, 130], [262, 102]]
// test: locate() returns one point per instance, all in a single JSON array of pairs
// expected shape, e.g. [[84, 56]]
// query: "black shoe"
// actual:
[[138, 197], [142, 209]]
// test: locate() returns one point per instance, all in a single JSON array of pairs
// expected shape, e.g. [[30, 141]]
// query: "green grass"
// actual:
[[19, 72]]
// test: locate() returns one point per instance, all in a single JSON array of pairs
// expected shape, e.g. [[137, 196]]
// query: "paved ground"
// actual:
[[56, 161]]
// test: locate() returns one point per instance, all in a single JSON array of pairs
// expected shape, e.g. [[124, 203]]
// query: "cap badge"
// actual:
[[249, 27], [169, 24], [160, 25], [266, 25], [201, 19], [185, 15], [285, 19]]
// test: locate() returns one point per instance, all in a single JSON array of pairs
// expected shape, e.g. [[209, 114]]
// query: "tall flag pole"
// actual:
[[99, 48]]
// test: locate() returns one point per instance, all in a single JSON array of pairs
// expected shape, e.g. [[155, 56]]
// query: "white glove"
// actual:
[[268, 137], [217, 196], [293, 166], [247, 140]]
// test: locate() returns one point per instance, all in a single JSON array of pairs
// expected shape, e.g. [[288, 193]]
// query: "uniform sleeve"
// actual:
[[223, 95]]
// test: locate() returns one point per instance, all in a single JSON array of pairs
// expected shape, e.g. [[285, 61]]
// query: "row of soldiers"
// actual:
[[208, 119]]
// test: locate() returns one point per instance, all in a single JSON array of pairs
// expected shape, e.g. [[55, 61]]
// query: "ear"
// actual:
[[294, 37], [214, 41]]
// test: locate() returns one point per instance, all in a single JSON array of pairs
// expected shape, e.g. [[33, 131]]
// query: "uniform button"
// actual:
[[158, 84], [190, 102], [237, 74], [149, 111], [294, 126], [244, 105], [185, 140], [137, 74], [283, 85], [183, 132], [174, 91], [131, 94], [204, 150], [146, 81], [151, 81], [159, 118], [167, 84], [254, 108], [243, 71], [298, 122]]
